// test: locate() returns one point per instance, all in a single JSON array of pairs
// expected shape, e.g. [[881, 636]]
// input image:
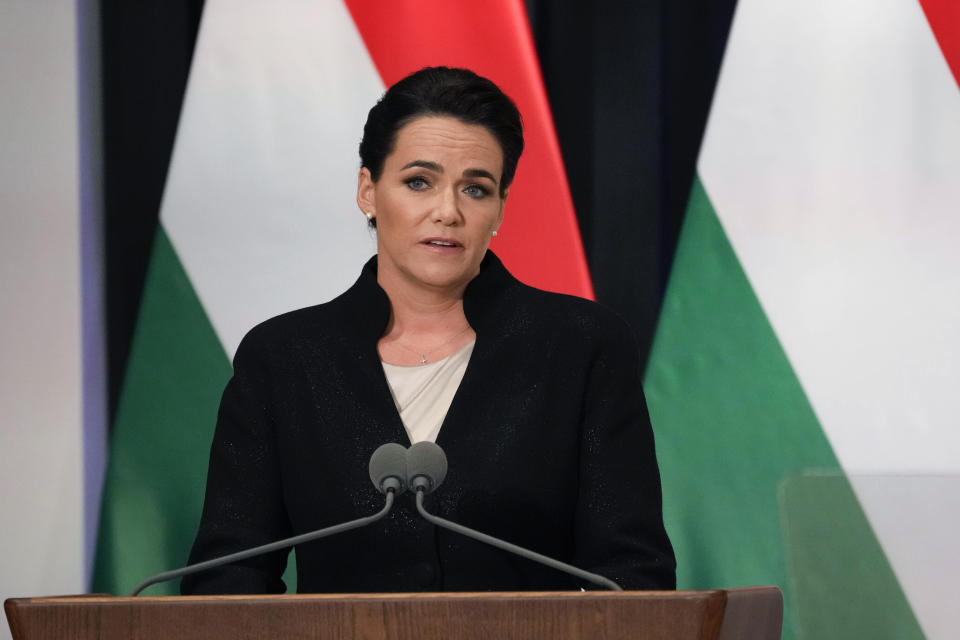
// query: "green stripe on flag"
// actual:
[[160, 442], [732, 423]]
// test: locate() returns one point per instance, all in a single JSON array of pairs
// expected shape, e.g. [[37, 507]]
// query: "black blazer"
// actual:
[[548, 441]]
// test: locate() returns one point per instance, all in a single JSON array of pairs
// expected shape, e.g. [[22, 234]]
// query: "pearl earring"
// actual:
[[369, 215], [493, 234]]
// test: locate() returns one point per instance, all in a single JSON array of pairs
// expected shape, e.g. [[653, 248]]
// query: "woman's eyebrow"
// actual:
[[479, 173], [425, 164]]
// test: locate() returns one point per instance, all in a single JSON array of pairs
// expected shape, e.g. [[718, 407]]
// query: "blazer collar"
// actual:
[[483, 300]]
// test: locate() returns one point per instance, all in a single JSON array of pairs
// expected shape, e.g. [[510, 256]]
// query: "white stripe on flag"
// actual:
[[260, 200], [832, 158]]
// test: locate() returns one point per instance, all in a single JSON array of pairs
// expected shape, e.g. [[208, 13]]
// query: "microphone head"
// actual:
[[426, 466], [388, 468]]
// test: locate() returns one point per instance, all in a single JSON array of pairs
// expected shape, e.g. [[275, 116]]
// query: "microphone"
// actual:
[[388, 471], [426, 466], [426, 470], [388, 468]]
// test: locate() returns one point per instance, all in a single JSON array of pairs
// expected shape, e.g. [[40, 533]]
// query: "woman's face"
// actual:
[[436, 203]]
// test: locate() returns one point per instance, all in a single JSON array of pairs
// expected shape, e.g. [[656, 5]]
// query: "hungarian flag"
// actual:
[[259, 217], [804, 375]]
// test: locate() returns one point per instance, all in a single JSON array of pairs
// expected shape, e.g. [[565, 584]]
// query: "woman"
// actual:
[[534, 396]]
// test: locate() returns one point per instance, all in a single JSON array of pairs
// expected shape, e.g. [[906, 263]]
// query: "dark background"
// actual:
[[630, 85]]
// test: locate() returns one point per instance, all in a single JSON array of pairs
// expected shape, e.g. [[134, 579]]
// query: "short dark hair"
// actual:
[[442, 91]]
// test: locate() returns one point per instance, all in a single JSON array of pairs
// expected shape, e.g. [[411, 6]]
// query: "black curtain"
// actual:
[[146, 51], [629, 83]]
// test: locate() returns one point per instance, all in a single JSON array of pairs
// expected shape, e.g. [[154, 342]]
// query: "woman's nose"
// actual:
[[447, 211]]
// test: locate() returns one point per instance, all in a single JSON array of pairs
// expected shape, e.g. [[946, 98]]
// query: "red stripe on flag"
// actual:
[[539, 240], [944, 19]]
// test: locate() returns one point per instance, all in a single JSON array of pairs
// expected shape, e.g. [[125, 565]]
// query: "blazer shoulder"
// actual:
[[289, 329], [585, 318]]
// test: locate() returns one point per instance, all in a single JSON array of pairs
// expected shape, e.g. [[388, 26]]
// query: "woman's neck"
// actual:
[[425, 324]]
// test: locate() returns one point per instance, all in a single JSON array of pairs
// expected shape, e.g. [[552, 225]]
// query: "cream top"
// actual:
[[423, 393]]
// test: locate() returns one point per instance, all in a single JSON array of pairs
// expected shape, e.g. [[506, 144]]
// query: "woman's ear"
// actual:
[[366, 193]]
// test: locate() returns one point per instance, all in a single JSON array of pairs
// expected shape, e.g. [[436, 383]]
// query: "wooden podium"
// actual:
[[755, 613]]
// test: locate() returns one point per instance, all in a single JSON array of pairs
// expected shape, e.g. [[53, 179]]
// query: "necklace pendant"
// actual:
[[423, 359]]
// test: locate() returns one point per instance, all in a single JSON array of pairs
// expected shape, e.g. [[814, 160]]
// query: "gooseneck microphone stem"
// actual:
[[512, 548], [267, 548]]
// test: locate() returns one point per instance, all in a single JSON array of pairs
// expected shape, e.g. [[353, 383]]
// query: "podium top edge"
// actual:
[[461, 595]]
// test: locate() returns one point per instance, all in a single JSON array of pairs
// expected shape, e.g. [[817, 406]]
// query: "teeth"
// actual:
[[442, 244]]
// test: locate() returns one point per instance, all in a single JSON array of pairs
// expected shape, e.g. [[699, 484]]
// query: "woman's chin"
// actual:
[[442, 276]]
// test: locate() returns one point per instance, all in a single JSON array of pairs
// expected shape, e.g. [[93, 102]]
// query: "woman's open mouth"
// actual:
[[442, 244]]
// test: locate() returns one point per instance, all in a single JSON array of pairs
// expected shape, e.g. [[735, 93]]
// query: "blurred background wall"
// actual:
[[52, 368]]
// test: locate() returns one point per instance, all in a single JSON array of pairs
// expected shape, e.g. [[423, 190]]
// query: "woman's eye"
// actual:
[[417, 184], [476, 191]]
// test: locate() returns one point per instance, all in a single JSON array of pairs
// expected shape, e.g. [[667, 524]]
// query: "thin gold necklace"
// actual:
[[423, 354]]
